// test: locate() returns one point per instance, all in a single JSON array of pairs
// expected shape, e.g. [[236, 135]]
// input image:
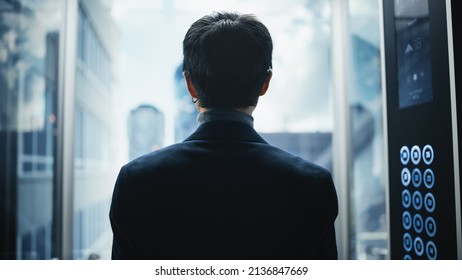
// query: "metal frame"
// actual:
[[455, 139], [385, 121], [342, 133], [63, 199]]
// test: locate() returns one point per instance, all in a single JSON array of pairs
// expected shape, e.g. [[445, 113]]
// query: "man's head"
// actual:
[[227, 60]]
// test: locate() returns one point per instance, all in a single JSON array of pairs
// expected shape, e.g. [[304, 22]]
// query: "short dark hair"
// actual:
[[227, 57]]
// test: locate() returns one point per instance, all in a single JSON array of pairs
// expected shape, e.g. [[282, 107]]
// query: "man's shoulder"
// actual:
[[161, 156], [291, 160]]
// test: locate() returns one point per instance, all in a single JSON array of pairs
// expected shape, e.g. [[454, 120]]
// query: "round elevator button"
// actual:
[[407, 220], [431, 250], [429, 202], [428, 178], [404, 155], [416, 177], [430, 226], [417, 200], [427, 154], [415, 154], [418, 246], [405, 177], [406, 198], [407, 242]]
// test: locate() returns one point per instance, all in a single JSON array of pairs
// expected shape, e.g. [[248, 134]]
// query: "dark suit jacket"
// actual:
[[224, 193]]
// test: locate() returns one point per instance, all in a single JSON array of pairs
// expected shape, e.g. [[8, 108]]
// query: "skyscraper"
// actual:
[[146, 130]]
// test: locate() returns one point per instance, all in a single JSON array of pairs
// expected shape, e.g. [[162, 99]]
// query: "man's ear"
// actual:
[[189, 85], [265, 85]]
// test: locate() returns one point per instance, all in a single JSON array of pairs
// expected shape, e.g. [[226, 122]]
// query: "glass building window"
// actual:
[[94, 147], [91, 52]]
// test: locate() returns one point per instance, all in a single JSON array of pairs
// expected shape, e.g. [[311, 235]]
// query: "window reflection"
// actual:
[[29, 48]]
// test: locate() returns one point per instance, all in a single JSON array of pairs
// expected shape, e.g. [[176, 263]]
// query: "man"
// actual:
[[224, 193]]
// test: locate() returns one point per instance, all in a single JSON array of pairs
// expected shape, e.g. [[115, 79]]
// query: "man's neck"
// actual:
[[248, 110], [239, 115]]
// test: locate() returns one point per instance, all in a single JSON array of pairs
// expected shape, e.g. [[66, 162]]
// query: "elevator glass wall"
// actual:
[[29, 53], [367, 218]]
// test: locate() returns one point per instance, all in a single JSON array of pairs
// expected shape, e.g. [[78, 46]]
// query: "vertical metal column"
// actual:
[[455, 133], [385, 123], [63, 209], [341, 156]]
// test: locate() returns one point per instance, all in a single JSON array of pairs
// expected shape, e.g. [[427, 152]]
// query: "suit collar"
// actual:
[[225, 130], [224, 115]]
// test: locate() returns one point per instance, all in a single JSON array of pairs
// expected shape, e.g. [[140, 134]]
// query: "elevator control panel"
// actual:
[[418, 202], [422, 194]]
